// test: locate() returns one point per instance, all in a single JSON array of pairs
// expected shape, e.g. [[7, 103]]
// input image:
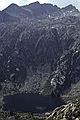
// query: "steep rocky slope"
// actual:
[[5, 17], [23, 55], [68, 67], [40, 53], [17, 11], [43, 10], [41, 56]]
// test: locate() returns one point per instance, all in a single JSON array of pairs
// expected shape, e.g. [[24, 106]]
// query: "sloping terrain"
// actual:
[[40, 56], [5, 17], [17, 11], [40, 51], [40, 11], [23, 55]]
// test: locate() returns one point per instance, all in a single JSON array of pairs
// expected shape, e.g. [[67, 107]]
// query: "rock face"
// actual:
[[67, 112], [43, 10], [70, 10], [5, 17], [23, 55], [68, 68], [39, 48], [17, 11]]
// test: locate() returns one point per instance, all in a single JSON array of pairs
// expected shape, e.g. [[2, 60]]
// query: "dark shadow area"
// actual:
[[34, 103]]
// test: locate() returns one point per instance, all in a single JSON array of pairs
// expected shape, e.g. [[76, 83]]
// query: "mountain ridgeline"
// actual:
[[35, 11], [39, 48]]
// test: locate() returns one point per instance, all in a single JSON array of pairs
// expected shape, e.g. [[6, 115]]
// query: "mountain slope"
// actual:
[[43, 10], [70, 10], [17, 11], [39, 55], [5, 17], [40, 11], [23, 55]]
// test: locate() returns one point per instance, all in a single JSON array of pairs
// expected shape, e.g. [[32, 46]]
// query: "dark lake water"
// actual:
[[34, 103]]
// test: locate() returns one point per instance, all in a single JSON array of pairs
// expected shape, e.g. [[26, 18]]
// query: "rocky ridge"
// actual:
[[36, 11]]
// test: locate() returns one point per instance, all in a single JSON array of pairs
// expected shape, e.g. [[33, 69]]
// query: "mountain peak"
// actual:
[[35, 3], [69, 7], [13, 5]]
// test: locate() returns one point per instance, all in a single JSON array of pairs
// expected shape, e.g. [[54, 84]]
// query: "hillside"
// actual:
[[40, 50]]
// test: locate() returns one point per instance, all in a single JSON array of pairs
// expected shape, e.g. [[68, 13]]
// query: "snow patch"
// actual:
[[17, 69]]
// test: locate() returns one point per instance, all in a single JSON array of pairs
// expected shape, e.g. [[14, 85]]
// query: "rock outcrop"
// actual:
[[66, 112]]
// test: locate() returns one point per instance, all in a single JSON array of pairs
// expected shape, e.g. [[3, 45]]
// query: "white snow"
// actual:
[[77, 51], [53, 83], [8, 61], [17, 69], [12, 75]]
